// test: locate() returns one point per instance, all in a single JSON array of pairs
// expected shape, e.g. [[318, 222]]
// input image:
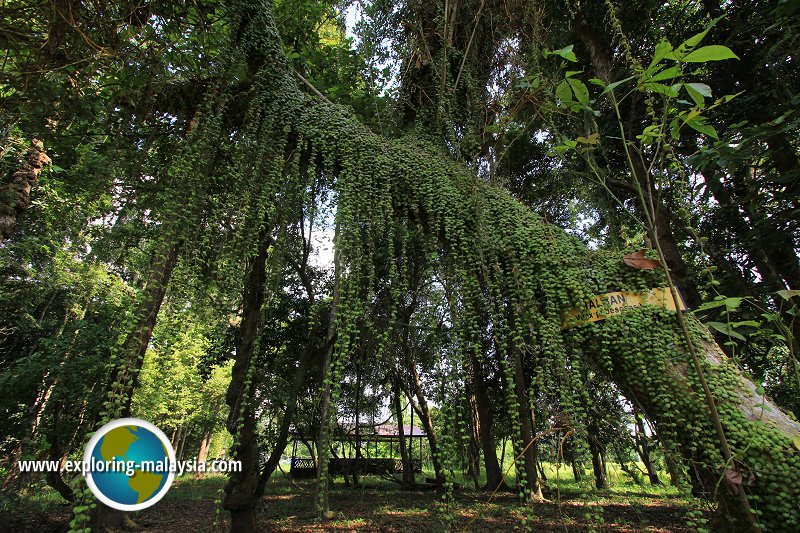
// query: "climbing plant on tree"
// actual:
[[532, 272], [439, 274]]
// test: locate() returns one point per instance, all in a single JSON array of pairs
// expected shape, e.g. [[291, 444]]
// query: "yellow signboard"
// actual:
[[609, 304]]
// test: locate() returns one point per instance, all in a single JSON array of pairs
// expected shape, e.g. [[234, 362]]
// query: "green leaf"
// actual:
[[579, 90], [668, 74], [733, 303], [725, 329], [714, 52], [787, 295], [565, 52], [650, 132], [751, 323], [698, 124], [594, 138], [697, 95], [701, 88], [694, 40], [796, 442], [663, 51], [660, 88], [611, 86], [710, 305], [564, 93]]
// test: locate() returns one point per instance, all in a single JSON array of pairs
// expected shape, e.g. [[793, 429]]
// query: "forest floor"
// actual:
[[379, 505]]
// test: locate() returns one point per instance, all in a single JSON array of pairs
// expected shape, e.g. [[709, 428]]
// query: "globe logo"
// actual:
[[130, 464]]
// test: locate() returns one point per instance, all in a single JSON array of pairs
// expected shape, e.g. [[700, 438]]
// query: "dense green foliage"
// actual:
[[166, 264]]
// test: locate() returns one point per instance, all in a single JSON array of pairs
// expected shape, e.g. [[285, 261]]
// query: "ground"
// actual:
[[381, 506]]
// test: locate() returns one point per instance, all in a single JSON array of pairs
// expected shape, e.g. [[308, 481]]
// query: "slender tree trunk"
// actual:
[[600, 55], [673, 468], [306, 360], [205, 444], [528, 443], [494, 475], [408, 467], [56, 453], [147, 312], [208, 432], [323, 503], [474, 447], [132, 353], [425, 418], [358, 419], [179, 452], [240, 492], [598, 465], [176, 437], [643, 448]]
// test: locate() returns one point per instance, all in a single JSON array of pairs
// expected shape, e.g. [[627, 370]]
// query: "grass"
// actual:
[[379, 504]]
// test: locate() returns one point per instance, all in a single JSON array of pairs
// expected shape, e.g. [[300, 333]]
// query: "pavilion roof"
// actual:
[[367, 431]]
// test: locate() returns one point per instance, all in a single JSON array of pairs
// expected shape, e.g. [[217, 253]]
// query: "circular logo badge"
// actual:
[[129, 464]]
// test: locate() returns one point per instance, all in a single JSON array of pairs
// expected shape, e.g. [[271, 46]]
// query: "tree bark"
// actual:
[[321, 489], [643, 449], [425, 418], [494, 475], [408, 467], [473, 445], [598, 457], [240, 491], [15, 197], [743, 412], [528, 444], [147, 313]]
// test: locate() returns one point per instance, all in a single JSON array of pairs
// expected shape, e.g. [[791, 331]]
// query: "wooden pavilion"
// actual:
[[361, 461]]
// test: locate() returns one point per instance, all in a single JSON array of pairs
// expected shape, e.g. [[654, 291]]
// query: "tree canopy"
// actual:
[[261, 222]]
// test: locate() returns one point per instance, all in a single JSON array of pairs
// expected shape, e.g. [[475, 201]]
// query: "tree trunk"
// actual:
[[306, 360], [358, 419], [753, 424], [208, 432], [528, 444], [494, 475], [673, 468], [643, 448], [180, 450], [408, 466], [15, 197], [424, 415], [240, 491], [147, 312], [573, 461], [600, 56], [598, 461], [321, 489], [176, 436], [474, 447], [126, 377], [205, 444]]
